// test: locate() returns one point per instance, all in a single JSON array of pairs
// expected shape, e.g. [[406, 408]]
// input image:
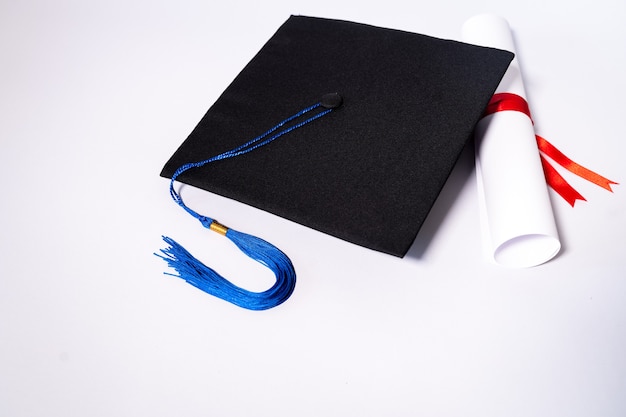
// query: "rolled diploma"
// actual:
[[517, 218]]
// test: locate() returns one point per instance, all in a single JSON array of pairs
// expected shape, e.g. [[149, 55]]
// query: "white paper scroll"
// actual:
[[520, 230]]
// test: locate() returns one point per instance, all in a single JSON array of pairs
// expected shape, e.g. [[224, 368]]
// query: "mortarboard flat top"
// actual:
[[370, 171]]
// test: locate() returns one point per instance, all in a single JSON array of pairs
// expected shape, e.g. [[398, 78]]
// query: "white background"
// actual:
[[95, 96]]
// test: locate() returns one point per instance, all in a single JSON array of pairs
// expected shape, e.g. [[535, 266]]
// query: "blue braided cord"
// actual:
[[243, 149]]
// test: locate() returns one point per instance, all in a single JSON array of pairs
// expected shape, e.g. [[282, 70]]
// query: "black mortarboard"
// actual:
[[369, 172]]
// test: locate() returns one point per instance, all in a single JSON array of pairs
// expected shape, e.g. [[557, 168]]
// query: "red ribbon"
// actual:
[[513, 102]]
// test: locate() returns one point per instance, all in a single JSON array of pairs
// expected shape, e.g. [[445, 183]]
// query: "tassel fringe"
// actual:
[[210, 281]]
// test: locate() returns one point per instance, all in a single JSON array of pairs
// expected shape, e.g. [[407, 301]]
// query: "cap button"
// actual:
[[331, 101]]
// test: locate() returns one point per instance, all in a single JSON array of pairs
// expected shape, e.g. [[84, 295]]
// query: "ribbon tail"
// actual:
[[558, 183], [558, 156]]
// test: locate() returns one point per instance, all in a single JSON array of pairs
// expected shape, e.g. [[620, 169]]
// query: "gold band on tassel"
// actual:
[[218, 228]]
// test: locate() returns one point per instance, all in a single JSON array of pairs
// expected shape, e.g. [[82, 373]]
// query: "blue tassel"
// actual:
[[205, 278], [208, 280]]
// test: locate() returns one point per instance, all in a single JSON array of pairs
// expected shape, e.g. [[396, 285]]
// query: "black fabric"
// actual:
[[370, 171]]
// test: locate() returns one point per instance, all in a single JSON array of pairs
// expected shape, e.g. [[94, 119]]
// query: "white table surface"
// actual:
[[96, 95]]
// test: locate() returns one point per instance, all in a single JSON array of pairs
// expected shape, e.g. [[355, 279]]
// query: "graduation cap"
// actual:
[[403, 107]]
